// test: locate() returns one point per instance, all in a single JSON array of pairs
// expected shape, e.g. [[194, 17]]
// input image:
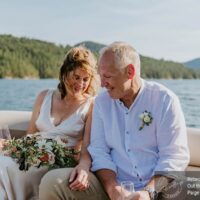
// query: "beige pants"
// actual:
[[54, 187]]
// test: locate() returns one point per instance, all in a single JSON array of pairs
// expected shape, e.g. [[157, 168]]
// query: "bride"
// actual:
[[63, 112]]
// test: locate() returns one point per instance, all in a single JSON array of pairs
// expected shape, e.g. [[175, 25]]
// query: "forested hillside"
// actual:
[[22, 57], [193, 64], [29, 58]]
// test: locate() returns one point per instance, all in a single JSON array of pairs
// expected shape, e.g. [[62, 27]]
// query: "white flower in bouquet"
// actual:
[[44, 145]]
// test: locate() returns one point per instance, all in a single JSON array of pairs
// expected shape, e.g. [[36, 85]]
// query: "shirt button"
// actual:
[[135, 167], [129, 150], [126, 113], [127, 132], [137, 175], [140, 179]]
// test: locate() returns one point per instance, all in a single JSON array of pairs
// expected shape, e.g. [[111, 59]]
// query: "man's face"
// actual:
[[116, 81]]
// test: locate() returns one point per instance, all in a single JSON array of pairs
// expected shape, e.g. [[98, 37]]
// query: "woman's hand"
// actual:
[[79, 178]]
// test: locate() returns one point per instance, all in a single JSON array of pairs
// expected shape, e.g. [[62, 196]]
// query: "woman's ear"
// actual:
[[131, 71]]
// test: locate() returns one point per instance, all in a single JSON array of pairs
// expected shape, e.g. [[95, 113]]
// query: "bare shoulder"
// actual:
[[40, 98], [36, 110], [41, 95]]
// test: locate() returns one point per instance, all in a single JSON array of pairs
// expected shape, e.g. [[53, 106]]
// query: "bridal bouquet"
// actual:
[[36, 151]]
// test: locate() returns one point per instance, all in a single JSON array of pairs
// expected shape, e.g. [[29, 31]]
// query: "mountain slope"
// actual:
[[23, 57], [193, 64], [93, 46]]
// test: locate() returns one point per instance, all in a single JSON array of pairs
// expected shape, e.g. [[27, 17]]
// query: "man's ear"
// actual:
[[130, 71]]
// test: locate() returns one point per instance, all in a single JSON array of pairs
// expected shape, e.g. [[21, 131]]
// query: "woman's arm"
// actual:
[[79, 176], [85, 158], [35, 113]]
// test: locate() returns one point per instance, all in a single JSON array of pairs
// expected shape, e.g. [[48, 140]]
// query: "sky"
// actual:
[[167, 29]]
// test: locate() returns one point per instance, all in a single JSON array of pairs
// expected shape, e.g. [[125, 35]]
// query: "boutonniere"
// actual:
[[146, 119]]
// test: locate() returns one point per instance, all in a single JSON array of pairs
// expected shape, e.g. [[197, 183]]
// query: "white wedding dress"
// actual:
[[21, 185]]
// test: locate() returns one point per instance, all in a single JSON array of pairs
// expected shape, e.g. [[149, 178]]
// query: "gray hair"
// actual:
[[124, 54]]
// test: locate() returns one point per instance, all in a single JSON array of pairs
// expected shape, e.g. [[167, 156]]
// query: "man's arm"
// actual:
[[102, 163], [172, 138], [98, 148], [172, 145], [109, 181]]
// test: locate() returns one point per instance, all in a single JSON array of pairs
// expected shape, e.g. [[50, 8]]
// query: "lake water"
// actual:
[[17, 94]]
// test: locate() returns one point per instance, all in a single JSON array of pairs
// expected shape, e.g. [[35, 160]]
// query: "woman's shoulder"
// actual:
[[43, 93], [41, 96]]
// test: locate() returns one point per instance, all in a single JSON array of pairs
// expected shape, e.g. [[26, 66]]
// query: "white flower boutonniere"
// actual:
[[146, 119]]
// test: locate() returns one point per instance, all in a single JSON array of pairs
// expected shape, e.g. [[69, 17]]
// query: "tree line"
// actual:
[[31, 58]]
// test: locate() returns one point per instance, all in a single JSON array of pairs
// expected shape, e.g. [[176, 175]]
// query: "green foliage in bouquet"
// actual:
[[36, 151]]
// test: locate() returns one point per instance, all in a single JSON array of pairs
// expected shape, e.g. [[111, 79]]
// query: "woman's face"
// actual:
[[79, 81]]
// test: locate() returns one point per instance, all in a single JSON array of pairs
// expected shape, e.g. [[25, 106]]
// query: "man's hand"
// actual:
[[117, 193], [140, 195], [79, 178]]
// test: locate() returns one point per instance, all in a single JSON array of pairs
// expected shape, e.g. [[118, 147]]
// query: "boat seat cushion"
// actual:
[[17, 121]]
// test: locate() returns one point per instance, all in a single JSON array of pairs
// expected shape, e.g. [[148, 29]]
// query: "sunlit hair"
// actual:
[[124, 54], [78, 57]]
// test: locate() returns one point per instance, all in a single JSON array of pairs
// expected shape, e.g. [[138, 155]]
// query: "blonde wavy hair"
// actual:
[[78, 57]]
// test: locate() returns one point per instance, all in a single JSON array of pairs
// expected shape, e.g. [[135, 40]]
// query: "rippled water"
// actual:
[[189, 93], [17, 94]]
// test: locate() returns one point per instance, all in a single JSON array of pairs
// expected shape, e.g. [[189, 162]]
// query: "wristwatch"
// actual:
[[152, 193]]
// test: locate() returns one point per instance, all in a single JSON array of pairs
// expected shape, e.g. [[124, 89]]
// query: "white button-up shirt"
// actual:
[[118, 144]]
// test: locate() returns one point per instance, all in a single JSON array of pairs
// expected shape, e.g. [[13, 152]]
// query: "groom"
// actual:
[[138, 131]]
